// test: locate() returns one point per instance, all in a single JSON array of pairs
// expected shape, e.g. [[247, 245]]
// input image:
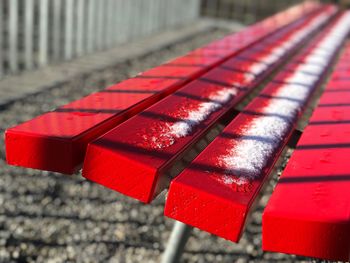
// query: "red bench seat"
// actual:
[[134, 135]]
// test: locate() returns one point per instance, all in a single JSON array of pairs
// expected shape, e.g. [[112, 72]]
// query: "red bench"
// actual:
[[135, 135]]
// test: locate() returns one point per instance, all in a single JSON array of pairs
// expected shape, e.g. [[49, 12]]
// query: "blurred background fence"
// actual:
[[34, 33]]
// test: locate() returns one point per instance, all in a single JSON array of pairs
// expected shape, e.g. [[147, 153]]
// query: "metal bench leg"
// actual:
[[177, 241]]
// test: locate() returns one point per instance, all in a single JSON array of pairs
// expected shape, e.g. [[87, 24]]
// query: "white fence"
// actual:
[[34, 33]]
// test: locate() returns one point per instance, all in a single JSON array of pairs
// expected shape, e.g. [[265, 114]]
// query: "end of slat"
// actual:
[[120, 173], [31, 151], [306, 237], [204, 210]]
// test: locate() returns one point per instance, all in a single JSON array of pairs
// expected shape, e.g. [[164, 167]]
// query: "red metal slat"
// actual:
[[309, 211], [217, 191], [57, 141], [338, 85], [335, 99], [145, 147]]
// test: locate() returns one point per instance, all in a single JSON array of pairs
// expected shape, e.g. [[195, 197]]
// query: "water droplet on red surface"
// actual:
[[308, 167], [325, 134], [155, 81], [326, 157], [82, 114]]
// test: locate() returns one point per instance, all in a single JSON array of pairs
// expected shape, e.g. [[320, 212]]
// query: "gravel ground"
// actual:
[[46, 217]]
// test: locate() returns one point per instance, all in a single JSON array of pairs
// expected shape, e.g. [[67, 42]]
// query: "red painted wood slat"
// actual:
[[309, 211], [217, 191], [135, 157], [56, 141]]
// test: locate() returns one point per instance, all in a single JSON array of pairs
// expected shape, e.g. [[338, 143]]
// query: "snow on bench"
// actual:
[[217, 190], [136, 157], [57, 141], [309, 211]]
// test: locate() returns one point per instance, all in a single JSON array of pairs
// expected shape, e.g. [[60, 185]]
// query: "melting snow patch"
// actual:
[[261, 137], [173, 131]]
